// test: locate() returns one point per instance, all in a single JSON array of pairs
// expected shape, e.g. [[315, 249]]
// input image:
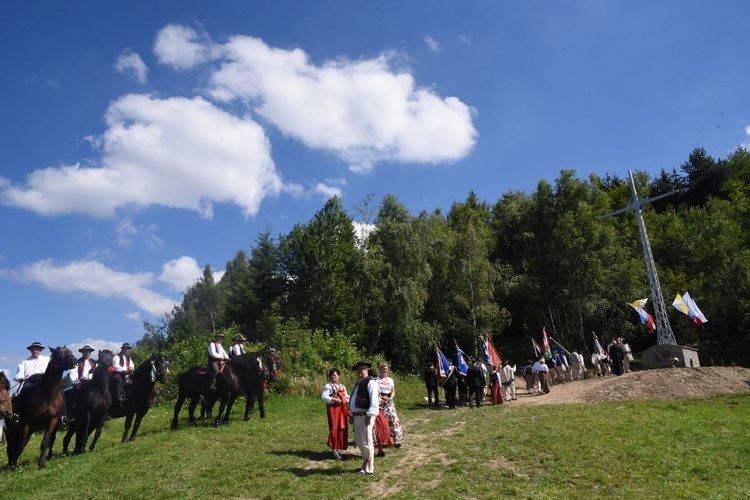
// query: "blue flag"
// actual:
[[463, 366], [486, 351], [443, 365]]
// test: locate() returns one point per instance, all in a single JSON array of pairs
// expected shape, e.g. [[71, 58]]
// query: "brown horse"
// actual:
[[6, 405], [41, 408]]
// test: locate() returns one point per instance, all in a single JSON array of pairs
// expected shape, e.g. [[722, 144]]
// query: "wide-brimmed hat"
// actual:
[[360, 365], [219, 334], [36, 345], [86, 348], [126, 345], [239, 339]]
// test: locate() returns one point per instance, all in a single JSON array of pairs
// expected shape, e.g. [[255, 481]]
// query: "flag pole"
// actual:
[[559, 345]]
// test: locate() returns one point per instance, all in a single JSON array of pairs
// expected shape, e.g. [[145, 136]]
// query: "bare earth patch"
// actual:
[[665, 385]]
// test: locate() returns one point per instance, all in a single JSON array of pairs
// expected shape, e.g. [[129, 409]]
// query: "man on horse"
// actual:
[[238, 346], [217, 357], [123, 365], [35, 364], [86, 365]]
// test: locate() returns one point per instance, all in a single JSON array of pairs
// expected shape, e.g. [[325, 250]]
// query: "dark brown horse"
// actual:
[[92, 402], [246, 374], [39, 409], [140, 394]]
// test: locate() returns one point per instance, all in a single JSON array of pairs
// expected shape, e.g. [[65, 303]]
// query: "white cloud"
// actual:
[[95, 278], [745, 145], [326, 190], [181, 47], [363, 111], [184, 272], [463, 39], [130, 62], [127, 232], [97, 344], [180, 273], [432, 44], [135, 316], [362, 230], [178, 152]]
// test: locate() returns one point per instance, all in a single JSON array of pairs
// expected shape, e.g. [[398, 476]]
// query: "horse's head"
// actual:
[[160, 368], [63, 358], [105, 358], [6, 407]]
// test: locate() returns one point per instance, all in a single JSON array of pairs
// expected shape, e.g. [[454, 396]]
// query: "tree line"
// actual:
[[328, 293]]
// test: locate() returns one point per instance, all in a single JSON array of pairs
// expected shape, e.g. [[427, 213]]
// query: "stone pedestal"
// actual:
[[667, 355]]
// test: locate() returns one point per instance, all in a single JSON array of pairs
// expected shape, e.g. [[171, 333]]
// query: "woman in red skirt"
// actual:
[[335, 396]]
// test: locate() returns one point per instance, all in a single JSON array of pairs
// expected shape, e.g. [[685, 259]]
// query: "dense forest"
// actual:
[[327, 292]]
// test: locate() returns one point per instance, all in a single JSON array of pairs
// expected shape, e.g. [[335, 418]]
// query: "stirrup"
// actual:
[[14, 418]]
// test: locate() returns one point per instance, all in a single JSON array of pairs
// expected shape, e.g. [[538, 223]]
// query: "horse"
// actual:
[[246, 374], [194, 384], [6, 405], [92, 402], [139, 391], [40, 409]]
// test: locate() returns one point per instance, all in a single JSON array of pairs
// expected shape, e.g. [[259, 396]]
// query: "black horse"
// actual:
[[246, 374], [140, 394], [39, 409], [92, 402]]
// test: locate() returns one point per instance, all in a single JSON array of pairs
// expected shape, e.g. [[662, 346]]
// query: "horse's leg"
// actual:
[[51, 445], [14, 441], [177, 408], [191, 411], [138, 417], [99, 426], [222, 405], [248, 408], [230, 403], [261, 408], [51, 427], [68, 435], [83, 434], [128, 421]]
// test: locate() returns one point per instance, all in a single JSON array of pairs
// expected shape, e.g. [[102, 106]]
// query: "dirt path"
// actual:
[[664, 384]]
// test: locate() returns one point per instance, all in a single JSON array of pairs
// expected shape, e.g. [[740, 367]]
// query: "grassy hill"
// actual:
[[683, 449]]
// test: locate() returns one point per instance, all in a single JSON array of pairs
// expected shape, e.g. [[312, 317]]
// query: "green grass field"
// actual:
[[689, 449]]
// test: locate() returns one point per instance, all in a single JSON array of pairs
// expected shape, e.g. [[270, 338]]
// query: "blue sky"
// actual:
[[140, 141]]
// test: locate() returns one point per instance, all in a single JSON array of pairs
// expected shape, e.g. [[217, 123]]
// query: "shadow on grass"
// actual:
[[300, 472], [316, 456]]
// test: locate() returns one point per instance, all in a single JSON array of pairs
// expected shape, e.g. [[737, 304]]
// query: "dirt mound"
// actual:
[[664, 384]]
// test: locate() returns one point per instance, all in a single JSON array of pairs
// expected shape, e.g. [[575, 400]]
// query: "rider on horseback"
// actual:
[[217, 357], [123, 365], [35, 364]]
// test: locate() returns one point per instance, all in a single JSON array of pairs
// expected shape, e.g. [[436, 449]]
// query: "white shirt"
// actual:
[[31, 366], [216, 351], [386, 385], [540, 367], [330, 390], [507, 374], [87, 371], [127, 366], [236, 350]]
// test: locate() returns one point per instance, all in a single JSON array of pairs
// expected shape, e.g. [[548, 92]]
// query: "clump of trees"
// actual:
[[325, 294]]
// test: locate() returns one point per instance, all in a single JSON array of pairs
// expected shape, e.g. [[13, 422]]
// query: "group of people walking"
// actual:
[[371, 410]]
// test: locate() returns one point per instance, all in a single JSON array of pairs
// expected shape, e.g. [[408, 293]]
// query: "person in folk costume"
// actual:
[[238, 346], [616, 354], [363, 410], [28, 375], [335, 396], [123, 365], [449, 383], [217, 357], [496, 393], [541, 370], [508, 380], [476, 382], [86, 365], [431, 383], [388, 407], [381, 433]]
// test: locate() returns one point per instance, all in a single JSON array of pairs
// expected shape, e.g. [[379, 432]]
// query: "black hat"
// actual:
[[36, 345], [86, 348], [505, 361], [126, 346], [361, 364], [219, 334], [239, 338]]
